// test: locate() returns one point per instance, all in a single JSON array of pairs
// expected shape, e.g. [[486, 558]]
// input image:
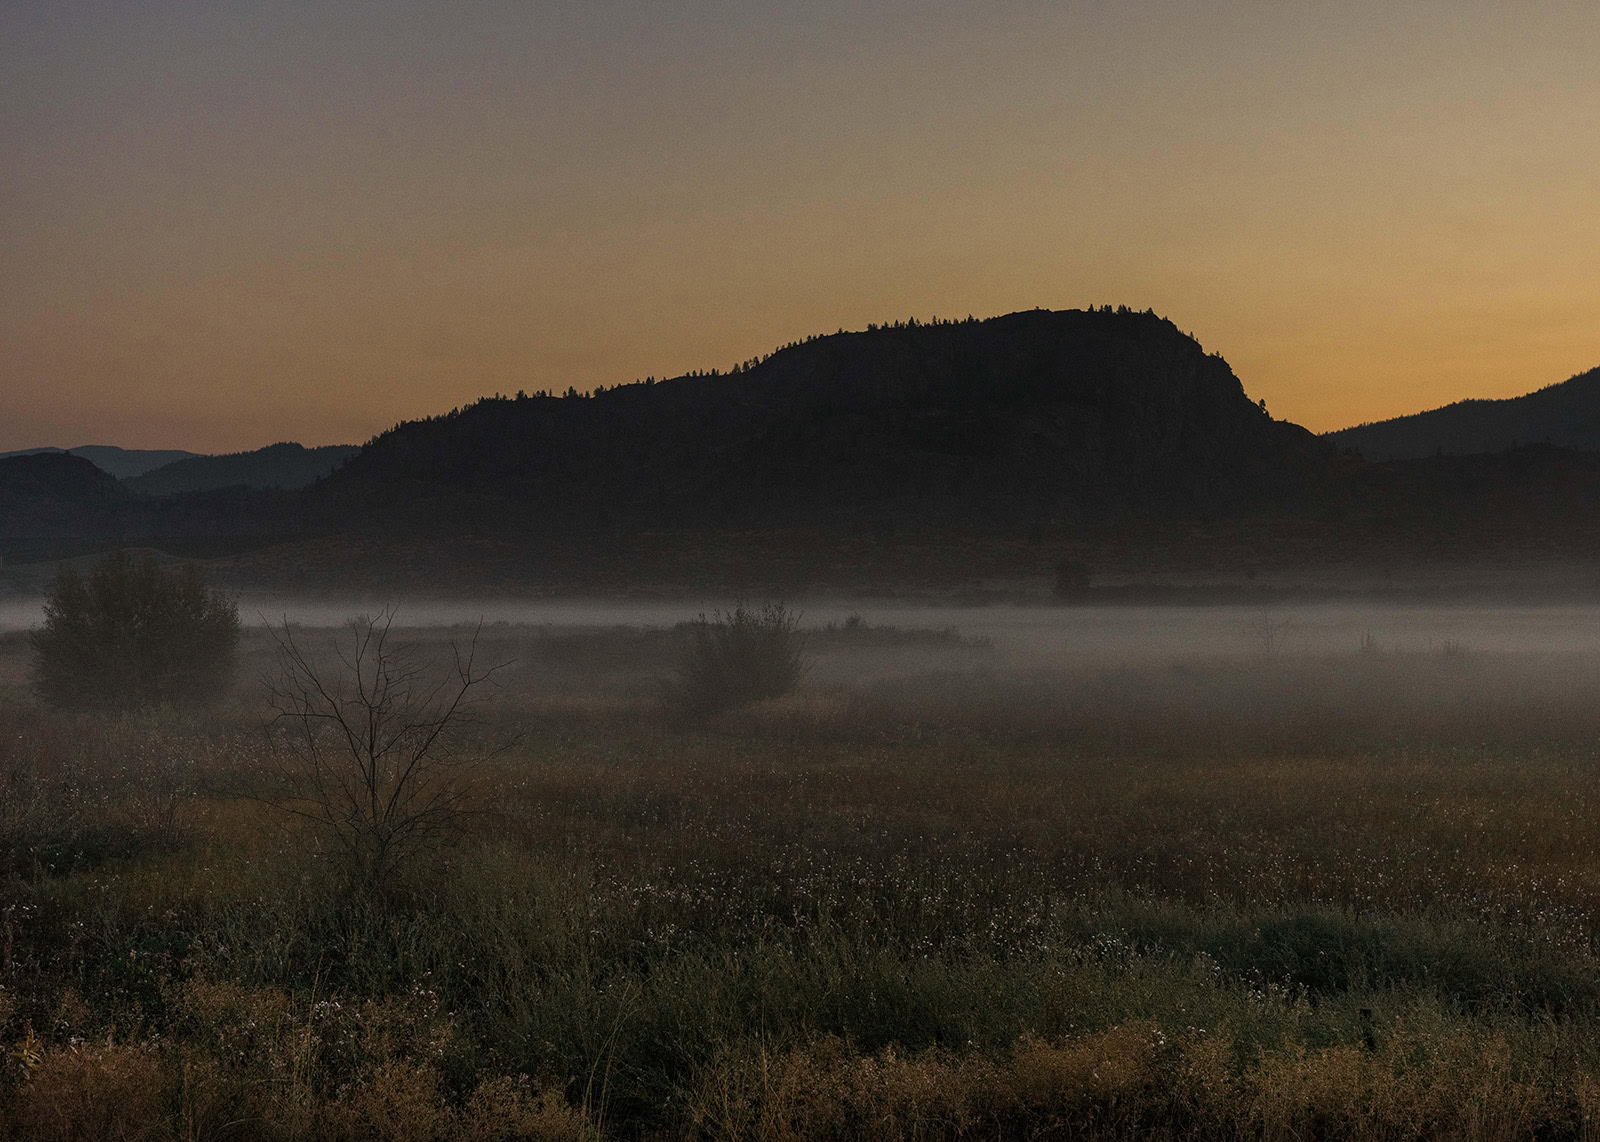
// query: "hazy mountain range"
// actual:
[[286, 465], [165, 472], [122, 463]]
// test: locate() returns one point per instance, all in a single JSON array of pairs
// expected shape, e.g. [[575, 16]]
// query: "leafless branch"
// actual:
[[370, 744]]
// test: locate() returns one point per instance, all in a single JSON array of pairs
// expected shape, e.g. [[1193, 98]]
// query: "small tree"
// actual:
[[132, 634], [739, 657], [371, 744]]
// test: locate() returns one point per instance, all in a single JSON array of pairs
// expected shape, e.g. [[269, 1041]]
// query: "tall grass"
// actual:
[[913, 911]]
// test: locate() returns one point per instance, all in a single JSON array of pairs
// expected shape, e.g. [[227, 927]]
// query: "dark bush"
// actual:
[[739, 657], [131, 634]]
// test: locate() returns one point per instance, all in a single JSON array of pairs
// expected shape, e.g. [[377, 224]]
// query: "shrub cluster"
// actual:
[[739, 657], [131, 634]]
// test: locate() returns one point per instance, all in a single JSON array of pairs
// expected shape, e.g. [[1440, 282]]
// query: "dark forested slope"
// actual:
[[57, 494], [1041, 424], [1566, 415], [285, 465], [1037, 415]]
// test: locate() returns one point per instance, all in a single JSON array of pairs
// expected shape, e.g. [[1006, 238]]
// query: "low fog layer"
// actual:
[[1028, 635]]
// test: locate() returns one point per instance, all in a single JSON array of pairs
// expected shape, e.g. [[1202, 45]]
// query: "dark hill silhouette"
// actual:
[[1045, 435], [1566, 415], [123, 463], [1533, 484], [52, 501], [56, 494], [1033, 416], [285, 465]]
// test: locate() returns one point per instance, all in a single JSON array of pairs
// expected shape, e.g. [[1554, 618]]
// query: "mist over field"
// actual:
[[938, 572], [1081, 636]]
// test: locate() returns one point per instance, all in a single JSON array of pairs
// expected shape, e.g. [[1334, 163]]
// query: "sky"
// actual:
[[224, 224]]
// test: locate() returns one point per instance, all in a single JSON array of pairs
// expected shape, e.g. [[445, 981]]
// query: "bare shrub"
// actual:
[[90, 1090], [739, 657], [371, 744], [132, 634], [1268, 633]]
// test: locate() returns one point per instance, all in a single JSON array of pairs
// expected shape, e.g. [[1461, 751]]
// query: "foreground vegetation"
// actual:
[[1264, 896]]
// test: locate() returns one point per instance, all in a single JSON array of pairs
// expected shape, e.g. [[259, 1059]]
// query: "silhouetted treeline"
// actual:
[[1033, 416], [56, 496], [284, 465], [1566, 415], [1031, 424]]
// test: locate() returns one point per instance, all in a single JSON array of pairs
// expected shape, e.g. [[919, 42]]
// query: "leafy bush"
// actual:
[[739, 657], [132, 634]]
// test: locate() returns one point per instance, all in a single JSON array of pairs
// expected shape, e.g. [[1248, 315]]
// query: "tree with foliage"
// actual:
[[130, 633]]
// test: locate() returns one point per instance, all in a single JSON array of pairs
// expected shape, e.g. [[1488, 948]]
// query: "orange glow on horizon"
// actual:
[[222, 229]]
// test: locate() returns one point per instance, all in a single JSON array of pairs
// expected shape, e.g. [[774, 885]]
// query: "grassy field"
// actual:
[[1267, 896]]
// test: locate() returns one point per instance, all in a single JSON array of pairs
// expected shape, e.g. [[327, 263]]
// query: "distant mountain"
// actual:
[[123, 463], [286, 465], [1026, 418], [54, 502], [57, 495], [1566, 415]]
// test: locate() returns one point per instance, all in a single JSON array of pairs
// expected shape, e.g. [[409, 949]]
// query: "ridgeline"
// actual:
[[989, 448], [1027, 419], [1566, 415]]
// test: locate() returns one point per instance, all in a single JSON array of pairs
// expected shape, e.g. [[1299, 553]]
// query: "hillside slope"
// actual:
[[123, 463], [56, 494], [1566, 415], [1033, 416], [54, 502], [286, 465]]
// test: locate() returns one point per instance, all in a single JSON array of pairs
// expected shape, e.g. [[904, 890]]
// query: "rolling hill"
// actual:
[[958, 441], [284, 465], [1030, 417], [1566, 415], [58, 495], [123, 463], [55, 502]]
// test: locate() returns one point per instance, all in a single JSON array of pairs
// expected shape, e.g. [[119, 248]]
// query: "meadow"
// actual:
[[941, 891]]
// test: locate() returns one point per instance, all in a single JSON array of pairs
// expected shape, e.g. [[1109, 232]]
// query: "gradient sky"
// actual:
[[225, 223]]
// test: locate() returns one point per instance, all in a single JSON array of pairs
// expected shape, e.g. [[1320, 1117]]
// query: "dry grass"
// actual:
[[1207, 908]]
